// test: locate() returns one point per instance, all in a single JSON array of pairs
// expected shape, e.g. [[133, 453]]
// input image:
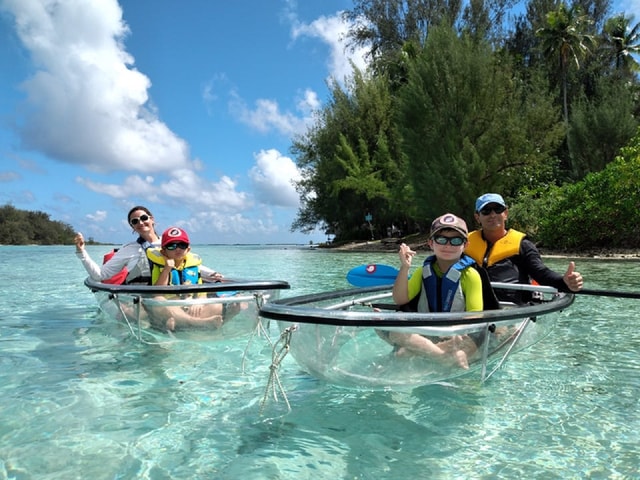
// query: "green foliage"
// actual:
[[20, 227], [565, 40], [600, 127], [622, 40], [392, 25], [351, 162], [456, 105], [601, 211], [470, 126]]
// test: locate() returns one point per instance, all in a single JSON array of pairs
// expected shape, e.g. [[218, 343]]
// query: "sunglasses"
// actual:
[[496, 209], [454, 241], [141, 218], [180, 245]]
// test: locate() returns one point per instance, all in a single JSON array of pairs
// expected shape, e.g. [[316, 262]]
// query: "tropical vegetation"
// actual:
[[461, 99], [22, 227]]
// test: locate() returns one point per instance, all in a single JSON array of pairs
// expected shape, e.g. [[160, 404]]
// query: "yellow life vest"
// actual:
[[188, 272], [486, 255]]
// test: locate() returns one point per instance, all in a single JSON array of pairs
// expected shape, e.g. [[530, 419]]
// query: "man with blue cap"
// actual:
[[509, 256]]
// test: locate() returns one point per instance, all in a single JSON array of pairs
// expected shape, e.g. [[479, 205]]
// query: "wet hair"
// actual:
[[138, 207]]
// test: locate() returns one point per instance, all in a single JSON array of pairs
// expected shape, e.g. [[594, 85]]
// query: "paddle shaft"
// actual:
[[584, 291], [511, 286], [607, 293]]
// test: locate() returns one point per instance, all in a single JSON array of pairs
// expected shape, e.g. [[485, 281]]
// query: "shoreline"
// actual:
[[391, 245]]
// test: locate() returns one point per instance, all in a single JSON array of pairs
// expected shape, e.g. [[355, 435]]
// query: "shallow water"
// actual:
[[80, 398]]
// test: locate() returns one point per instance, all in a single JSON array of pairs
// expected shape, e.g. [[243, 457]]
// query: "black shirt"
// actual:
[[523, 268]]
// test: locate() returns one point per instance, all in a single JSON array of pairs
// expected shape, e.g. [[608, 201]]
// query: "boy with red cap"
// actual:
[[175, 264]]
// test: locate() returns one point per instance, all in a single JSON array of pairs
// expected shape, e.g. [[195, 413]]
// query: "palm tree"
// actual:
[[565, 38], [623, 41]]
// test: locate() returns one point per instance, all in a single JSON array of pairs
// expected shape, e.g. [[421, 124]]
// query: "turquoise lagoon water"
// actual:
[[81, 399]]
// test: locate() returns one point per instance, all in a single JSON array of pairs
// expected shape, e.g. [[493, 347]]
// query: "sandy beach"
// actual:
[[419, 244]]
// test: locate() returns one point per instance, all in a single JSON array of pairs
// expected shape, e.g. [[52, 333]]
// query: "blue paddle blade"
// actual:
[[372, 275]]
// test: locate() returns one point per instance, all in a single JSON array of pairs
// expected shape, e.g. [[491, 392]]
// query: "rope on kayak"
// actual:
[[259, 329], [277, 355]]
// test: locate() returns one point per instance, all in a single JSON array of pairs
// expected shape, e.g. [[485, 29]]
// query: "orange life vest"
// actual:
[[118, 278]]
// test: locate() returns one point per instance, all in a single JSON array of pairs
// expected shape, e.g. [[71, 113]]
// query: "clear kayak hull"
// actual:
[[205, 312], [343, 337]]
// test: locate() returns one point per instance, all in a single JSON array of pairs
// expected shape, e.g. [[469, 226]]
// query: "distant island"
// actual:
[[23, 227]]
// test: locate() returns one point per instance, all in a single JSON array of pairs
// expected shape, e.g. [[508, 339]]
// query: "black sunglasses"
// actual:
[[180, 245], [442, 240], [141, 218], [496, 209]]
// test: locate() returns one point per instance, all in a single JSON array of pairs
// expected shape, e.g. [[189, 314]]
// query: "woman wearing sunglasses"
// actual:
[[129, 263], [509, 256], [446, 282]]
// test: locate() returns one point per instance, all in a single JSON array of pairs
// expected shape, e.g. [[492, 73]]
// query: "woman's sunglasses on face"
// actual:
[[495, 208], [454, 241], [141, 218], [180, 245]]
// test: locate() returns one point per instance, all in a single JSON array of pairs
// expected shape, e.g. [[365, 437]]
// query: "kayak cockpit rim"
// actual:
[[298, 310], [213, 287]]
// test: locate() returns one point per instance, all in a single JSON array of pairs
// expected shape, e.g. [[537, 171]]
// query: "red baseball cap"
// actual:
[[174, 235]]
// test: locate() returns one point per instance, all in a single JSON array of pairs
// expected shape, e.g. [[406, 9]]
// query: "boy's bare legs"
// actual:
[[205, 315], [414, 344], [462, 347]]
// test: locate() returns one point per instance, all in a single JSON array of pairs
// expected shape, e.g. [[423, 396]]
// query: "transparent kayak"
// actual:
[[350, 337], [208, 311]]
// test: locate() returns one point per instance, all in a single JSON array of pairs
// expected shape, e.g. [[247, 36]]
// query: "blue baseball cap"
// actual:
[[488, 198]]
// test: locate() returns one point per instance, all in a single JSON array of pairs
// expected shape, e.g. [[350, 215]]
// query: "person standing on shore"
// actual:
[[509, 256]]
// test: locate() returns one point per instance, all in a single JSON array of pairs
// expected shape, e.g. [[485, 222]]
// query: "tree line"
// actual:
[[462, 99], [21, 227]]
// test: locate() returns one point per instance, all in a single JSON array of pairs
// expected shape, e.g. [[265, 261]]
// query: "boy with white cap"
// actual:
[[446, 282]]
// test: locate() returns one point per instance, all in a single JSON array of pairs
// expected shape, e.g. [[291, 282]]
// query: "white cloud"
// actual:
[[273, 177], [220, 196], [86, 104], [267, 116], [8, 176], [98, 216], [309, 103], [210, 90], [183, 189], [333, 31], [142, 187], [230, 226]]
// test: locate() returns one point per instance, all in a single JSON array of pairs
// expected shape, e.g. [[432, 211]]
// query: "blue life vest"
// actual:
[[186, 276], [443, 294]]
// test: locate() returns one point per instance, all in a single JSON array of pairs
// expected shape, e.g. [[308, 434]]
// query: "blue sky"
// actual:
[[187, 107]]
